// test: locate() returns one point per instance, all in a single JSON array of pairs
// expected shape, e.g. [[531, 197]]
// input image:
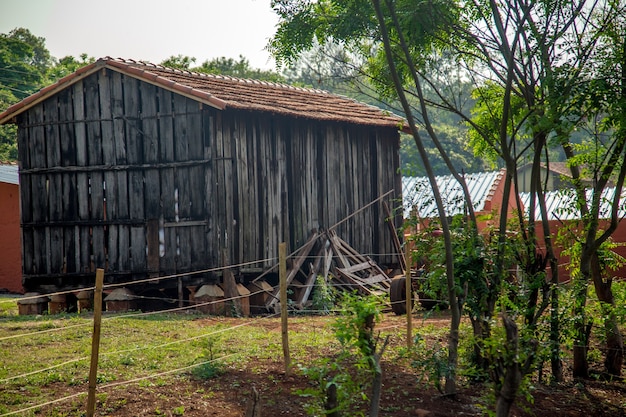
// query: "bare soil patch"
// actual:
[[403, 395]]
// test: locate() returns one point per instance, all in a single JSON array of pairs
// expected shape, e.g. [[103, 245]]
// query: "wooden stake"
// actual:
[[95, 342], [282, 271], [409, 292], [181, 302]]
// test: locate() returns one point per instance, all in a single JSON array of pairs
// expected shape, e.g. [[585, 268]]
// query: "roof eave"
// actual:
[[9, 115]]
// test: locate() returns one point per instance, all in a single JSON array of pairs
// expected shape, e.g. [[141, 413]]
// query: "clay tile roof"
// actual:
[[560, 168], [229, 92]]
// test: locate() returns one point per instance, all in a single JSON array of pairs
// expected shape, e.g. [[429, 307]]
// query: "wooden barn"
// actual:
[[148, 171]]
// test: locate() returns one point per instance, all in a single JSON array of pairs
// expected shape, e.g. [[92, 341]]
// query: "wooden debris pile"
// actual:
[[337, 263]]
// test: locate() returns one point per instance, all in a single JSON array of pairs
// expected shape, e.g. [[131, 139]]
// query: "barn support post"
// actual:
[[95, 343], [282, 272]]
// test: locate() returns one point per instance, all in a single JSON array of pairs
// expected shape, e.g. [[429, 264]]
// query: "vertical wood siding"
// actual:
[[121, 174]]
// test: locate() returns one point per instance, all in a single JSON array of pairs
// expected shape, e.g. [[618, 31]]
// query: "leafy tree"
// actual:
[[591, 88], [24, 61], [223, 66], [179, 62], [66, 66], [361, 28]]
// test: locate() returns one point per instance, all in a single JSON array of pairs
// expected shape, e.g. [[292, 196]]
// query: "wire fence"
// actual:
[[135, 315], [190, 305]]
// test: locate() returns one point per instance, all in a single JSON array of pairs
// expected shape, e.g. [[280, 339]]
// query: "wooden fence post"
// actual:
[[282, 272], [409, 293], [95, 343]]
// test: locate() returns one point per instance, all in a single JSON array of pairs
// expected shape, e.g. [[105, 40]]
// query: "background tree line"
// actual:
[[525, 82], [27, 66], [482, 84]]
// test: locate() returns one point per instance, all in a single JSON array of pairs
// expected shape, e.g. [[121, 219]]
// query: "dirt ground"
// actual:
[[230, 394]]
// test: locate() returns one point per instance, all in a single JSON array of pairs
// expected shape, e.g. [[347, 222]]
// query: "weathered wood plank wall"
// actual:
[[121, 174]]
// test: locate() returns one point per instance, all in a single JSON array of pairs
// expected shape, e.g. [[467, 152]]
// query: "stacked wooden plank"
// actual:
[[328, 256]]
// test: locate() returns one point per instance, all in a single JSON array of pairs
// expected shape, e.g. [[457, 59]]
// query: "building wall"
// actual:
[[619, 236], [10, 249]]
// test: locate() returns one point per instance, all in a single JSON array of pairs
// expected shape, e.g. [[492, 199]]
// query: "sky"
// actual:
[[148, 30]]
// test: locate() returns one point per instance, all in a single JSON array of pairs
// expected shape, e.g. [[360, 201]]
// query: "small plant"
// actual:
[[342, 382], [208, 368], [323, 296], [179, 411], [431, 361]]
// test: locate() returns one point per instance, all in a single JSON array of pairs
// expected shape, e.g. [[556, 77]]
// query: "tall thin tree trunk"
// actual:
[[512, 372], [455, 308], [614, 342], [580, 365]]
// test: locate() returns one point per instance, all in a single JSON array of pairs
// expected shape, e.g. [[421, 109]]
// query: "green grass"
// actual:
[[131, 347]]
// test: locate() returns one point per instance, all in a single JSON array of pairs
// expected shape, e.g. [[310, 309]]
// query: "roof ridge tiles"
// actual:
[[221, 76], [222, 91]]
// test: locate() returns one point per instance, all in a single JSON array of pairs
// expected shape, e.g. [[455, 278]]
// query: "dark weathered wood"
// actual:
[[54, 235], [114, 153], [228, 187], [137, 246], [169, 205], [81, 234], [311, 277], [113, 150], [197, 249], [132, 130], [183, 261], [115, 168], [92, 112], [117, 111], [297, 263], [241, 202], [66, 130], [166, 126], [181, 139], [390, 220], [106, 120], [152, 232], [211, 230], [99, 247], [80, 131]]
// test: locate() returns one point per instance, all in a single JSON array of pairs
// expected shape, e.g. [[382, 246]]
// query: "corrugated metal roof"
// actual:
[[9, 174], [417, 193], [561, 204]]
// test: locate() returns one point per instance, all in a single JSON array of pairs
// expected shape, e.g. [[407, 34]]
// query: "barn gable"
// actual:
[[148, 171]]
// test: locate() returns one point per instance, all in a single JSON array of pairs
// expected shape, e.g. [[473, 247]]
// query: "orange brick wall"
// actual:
[[10, 246], [619, 236]]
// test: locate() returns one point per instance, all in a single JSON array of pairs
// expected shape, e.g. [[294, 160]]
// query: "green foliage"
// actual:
[[25, 67], [66, 66], [352, 369], [24, 61], [323, 300], [484, 129], [430, 361], [208, 368], [345, 34], [223, 66], [355, 325]]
